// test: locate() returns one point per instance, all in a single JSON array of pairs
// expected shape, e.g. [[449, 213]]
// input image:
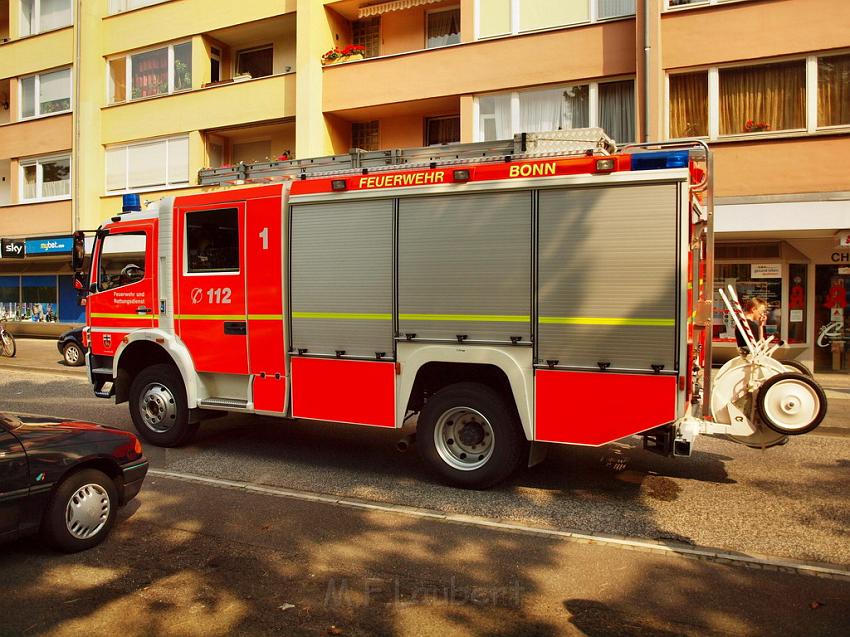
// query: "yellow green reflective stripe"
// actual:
[[228, 317], [342, 316], [589, 320], [115, 315], [482, 318], [265, 317]]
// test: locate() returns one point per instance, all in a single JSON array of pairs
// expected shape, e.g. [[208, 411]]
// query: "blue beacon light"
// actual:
[[131, 203]]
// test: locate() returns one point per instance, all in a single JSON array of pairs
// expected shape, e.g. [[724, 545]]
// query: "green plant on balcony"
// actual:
[[182, 76], [56, 106]]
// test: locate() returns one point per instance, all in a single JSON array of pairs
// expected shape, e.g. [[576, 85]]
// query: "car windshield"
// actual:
[[9, 421]]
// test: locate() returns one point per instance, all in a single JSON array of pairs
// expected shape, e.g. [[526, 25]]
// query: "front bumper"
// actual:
[[134, 474]]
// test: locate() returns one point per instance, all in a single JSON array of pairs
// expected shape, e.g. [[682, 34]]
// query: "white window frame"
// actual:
[[36, 18], [592, 102], [37, 91], [39, 177], [811, 99], [112, 10], [128, 73], [167, 185], [697, 3], [593, 17]]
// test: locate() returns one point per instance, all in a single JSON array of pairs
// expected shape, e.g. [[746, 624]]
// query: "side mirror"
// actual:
[[81, 286], [78, 253]]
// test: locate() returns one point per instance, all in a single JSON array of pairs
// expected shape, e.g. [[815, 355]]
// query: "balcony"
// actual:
[[36, 53], [232, 145], [172, 20], [39, 136], [584, 52], [218, 106]]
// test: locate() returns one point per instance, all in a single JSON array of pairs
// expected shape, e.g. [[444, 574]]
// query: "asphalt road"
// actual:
[[792, 501], [187, 559]]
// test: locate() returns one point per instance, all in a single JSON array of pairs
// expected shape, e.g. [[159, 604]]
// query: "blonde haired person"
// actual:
[[755, 312]]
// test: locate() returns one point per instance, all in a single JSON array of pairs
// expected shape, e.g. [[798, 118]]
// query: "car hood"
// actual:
[[58, 431]]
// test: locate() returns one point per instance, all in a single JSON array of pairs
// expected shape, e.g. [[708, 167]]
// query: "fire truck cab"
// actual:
[[554, 291]]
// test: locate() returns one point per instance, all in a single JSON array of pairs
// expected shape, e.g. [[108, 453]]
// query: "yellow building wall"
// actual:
[[36, 53]]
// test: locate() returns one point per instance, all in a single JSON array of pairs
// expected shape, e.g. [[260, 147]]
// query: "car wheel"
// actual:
[[73, 355], [81, 512], [470, 436], [791, 404], [159, 408]]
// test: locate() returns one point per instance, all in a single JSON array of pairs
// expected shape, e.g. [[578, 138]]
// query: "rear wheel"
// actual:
[[470, 436], [8, 344], [791, 404], [81, 511], [159, 408], [73, 355]]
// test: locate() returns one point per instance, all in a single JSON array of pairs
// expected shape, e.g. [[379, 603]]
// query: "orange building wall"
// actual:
[[36, 136], [752, 30], [401, 132], [34, 218]]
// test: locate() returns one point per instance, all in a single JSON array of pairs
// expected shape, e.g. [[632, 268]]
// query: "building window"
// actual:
[[46, 178], [367, 33], [442, 28], [215, 64], [257, 62], [834, 90], [796, 95], [119, 6], [150, 164], [609, 105], [212, 241], [442, 130], [365, 135], [150, 73], [507, 17], [38, 16], [45, 93]]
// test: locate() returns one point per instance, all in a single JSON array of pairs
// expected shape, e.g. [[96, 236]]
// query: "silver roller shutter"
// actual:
[[607, 276], [342, 278], [464, 266]]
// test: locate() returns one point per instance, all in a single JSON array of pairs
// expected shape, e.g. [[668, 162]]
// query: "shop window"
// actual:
[[834, 90], [39, 296], [832, 317], [769, 250], [46, 93], [367, 33], [365, 135], [442, 28], [798, 282], [257, 62], [442, 130], [768, 97], [122, 260], [38, 16], [46, 178], [212, 241], [689, 105], [10, 297], [761, 280]]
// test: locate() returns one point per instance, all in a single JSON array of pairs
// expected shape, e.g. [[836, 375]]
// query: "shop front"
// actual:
[[37, 295]]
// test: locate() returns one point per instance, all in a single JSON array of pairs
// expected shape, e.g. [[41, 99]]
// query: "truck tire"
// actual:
[[791, 404], [159, 408], [81, 511], [470, 436]]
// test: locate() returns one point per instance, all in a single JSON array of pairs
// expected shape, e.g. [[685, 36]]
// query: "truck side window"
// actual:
[[122, 260], [212, 241]]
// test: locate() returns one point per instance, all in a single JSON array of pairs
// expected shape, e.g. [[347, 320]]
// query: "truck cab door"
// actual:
[[123, 293]]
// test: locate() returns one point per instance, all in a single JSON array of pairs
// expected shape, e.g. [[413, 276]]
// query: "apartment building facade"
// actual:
[[105, 97]]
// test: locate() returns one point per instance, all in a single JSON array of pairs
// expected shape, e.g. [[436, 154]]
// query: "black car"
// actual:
[[71, 347], [65, 479]]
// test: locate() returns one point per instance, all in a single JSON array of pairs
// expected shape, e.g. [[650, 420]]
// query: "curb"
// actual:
[[647, 546]]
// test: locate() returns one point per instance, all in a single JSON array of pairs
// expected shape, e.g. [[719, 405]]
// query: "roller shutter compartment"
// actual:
[[465, 266], [341, 278], [608, 259]]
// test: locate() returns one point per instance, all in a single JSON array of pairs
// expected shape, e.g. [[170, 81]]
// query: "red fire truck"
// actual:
[[548, 289]]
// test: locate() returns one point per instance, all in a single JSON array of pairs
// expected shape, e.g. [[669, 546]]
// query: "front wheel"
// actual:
[[8, 344], [470, 436], [81, 511], [159, 408]]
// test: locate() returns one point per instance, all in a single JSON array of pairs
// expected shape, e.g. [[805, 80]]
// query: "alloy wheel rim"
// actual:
[[87, 511]]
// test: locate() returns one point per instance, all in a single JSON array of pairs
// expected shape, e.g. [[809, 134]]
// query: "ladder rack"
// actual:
[[580, 141]]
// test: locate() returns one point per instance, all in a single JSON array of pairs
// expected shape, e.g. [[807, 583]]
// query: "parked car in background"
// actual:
[[65, 479], [71, 347]]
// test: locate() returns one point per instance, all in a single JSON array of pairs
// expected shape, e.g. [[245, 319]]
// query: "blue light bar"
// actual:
[[661, 159], [131, 202]]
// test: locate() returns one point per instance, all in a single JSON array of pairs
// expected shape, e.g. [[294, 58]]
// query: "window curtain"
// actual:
[[147, 164], [576, 107], [498, 109], [834, 90], [617, 110], [443, 130], [56, 178], [27, 13], [689, 105], [55, 14], [30, 183], [150, 73], [770, 97], [178, 160], [614, 8], [443, 28], [541, 111]]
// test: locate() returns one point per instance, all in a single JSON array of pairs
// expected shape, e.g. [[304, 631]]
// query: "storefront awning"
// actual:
[[394, 5]]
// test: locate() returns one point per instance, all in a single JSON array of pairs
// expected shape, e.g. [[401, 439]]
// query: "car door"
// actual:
[[14, 476]]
